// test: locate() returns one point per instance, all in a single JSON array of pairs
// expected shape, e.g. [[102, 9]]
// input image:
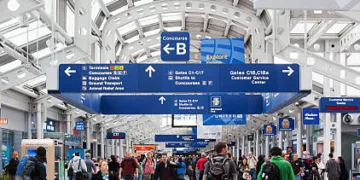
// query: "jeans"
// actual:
[[127, 177], [253, 174], [298, 177], [89, 176], [140, 177]]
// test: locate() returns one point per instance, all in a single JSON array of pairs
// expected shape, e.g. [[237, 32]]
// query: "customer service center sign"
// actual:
[[337, 5]]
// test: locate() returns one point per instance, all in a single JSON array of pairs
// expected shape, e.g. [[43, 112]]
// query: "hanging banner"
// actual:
[[310, 116], [250, 137], [224, 119], [208, 132], [286, 124], [115, 135], [144, 147], [269, 130], [222, 51]]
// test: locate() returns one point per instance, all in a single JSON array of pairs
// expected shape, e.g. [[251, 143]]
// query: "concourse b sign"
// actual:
[[175, 46], [172, 78]]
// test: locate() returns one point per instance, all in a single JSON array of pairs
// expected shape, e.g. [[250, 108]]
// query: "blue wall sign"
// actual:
[[310, 116], [339, 105], [72, 152], [269, 130], [80, 126], [108, 78], [286, 124], [49, 126], [358, 132], [182, 104], [115, 135], [224, 119], [180, 138], [175, 46], [250, 137], [186, 151], [222, 51]]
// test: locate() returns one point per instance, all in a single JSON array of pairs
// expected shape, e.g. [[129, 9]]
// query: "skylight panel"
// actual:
[[33, 35], [173, 28], [142, 2], [337, 28], [300, 27], [133, 39], [44, 52], [70, 22], [8, 23], [95, 9], [171, 17], [120, 10], [127, 28], [36, 81], [10, 66], [149, 20]]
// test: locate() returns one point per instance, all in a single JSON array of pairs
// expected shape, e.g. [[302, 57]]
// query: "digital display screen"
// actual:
[[31, 152], [184, 120]]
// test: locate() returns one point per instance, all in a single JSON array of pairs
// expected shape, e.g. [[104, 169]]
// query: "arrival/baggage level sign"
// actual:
[[202, 78]]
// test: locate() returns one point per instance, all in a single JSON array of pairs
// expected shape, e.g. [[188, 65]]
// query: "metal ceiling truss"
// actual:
[[219, 9], [24, 7], [48, 100], [317, 31]]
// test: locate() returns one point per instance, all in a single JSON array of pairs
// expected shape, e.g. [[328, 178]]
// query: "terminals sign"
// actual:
[[175, 46]]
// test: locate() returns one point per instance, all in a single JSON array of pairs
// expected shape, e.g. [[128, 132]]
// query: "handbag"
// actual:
[[246, 176], [81, 174], [70, 170]]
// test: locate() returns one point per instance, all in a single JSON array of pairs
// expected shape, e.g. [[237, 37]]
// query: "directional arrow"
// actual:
[[167, 48], [150, 70], [289, 71], [68, 71], [162, 99]]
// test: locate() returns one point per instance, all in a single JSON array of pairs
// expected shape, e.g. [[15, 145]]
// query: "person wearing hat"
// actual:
[[12, 166]]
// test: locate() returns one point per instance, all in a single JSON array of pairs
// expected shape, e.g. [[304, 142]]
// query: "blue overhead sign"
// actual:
[[286, 124], [115, 135], [222, 51], [276, 101], [175, 46], [224, 119], [358, 132], [310, 116], [180, 138], [250, 137], [80, 126], [143, 78], [86, 102], [200, 144], [182, 104], [339, 105], [269, 130]]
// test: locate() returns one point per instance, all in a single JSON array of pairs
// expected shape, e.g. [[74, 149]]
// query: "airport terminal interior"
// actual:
[[180, 78]]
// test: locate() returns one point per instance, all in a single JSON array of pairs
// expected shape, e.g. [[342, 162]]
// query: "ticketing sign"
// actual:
[[115, 135], [143, 78], [339, 105], [182, 104], [175, 46]]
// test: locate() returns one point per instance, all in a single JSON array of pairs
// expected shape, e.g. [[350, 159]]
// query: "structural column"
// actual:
[[299, 133], [88, 135], [68, 124], [266, 146], [249, 145], [39, 129], [280, 142], [29, 125], [112, 146], [257, 146], [237, 149], [121, 149], [243, 146], [102, 141], [286, 141], [308, 138]]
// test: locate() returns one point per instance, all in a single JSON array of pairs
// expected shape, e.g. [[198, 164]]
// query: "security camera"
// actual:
[[347, 119]]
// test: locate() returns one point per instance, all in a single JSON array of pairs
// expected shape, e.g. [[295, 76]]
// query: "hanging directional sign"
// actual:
[[187, 145], [224, 119], [310, 116], [175, 46], [180, 138], [137, 78], [115, 135], [80, 125], [339, 105], [182, 104]]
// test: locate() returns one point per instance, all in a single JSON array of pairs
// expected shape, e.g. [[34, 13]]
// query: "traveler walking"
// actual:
[[200, 166], [219, 167], [244, 170], [103, 173], [140, 170], [129, 168], [277, 167], [315, 174], [77, 168], [261, 160], [149, 165], [181, 167], [165, 170], [33, 167], [297, 166], [114, 167], [12, 166], [344, 174], [332, 168], [252, 164], [90, 165]]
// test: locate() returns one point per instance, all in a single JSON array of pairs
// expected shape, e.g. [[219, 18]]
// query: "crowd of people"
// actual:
[[220, 165]]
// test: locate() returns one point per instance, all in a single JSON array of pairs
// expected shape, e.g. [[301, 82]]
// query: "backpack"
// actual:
[[270, 171], [25, 168], [217, 169]]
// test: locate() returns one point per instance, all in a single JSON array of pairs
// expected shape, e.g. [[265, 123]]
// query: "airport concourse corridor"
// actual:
[[179, 90]]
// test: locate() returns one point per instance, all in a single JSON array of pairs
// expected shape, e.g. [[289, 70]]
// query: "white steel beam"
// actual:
[[227, 28], [322, 66], [183, 22], [48, 100], [161, 23], [139, 28], [130, 3], [235, 2], [104, 8], [319, 30], [206, 22]]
